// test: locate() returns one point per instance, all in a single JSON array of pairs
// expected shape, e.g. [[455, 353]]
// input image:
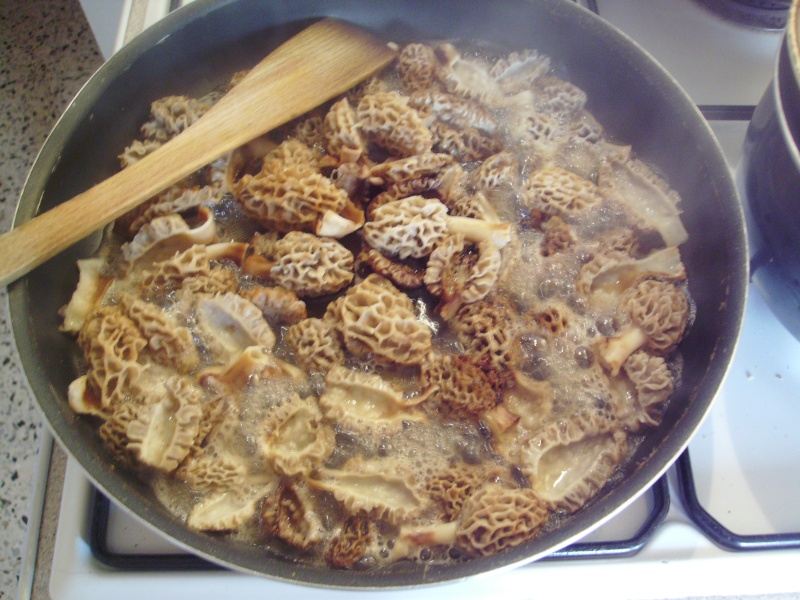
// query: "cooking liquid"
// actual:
[[423, 448]]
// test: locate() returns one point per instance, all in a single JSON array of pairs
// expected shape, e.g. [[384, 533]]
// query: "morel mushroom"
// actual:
[[496, 517], [377, 320], [308, 265], [413, 226], [658, 312]]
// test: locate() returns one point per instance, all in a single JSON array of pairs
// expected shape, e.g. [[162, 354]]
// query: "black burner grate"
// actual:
[[717, 532], [145, 562]]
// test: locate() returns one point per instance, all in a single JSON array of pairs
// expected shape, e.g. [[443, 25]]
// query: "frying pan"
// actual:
[[199, 46]]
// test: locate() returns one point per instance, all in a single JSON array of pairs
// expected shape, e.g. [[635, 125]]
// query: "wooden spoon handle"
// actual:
[[322, 61]]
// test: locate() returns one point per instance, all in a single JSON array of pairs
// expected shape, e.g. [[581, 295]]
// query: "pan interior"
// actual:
[[198, 47]]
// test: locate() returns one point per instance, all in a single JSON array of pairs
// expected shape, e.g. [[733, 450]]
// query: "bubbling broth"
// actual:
[[428, 321]]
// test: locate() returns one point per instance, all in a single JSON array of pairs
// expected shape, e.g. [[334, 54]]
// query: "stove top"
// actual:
[[723, 521]]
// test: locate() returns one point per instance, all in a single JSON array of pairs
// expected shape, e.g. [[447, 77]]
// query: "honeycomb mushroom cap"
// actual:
[[111, 345], [296, 440], [571, 459], [410, 227], [289, 514], [316, 344], [168, 342], [556, 191], [352, 543], [165, 426], [377, 486], [496, 517], [342, 132], [361, 401], [418, 67], [230, 324], [487, 329], [311, 266], [377, 320], [460, 387], [289, 194], [387, 120], [658, 311], [652, 383]]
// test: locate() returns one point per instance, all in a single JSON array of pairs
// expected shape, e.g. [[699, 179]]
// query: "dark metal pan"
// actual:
[[198, 47]]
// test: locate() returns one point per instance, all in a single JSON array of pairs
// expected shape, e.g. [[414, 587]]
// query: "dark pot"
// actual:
[[770, 180]]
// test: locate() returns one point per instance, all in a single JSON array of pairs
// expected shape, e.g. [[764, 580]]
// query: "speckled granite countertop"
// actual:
[[47, 53]]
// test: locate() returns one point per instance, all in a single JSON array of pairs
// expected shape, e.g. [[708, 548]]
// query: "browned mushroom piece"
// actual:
[[496, 517], [114, 432], [568, 461], [653, 203], [111, 345], [279, 305], [556, 191], [451, 488], [377, 320], [316, 344], [308, 265], [461, 274], [643, 392], [164, 428], [413, 226], [401, 273], [658, 313], [386, 119], [457, 386], [365, 402], [558, 237], [289, 514], [168, 342], [466, 144], [289, 194], [418, 67], [487, 330], [295, 440], [519, 71], [350, 545], [413, 167], [342, 132]]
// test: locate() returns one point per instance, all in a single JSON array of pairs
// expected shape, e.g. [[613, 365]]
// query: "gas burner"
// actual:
[[762, 14]]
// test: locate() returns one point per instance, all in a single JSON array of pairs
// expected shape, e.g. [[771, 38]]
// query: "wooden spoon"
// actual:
[[320, 62]]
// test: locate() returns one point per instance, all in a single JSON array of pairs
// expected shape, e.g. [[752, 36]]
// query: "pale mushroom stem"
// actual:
[[478, 230], [612, 352]]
